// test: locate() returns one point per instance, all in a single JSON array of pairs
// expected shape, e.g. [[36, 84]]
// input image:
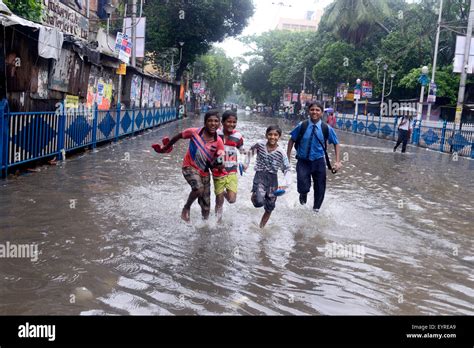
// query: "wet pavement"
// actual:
[[394, 236]]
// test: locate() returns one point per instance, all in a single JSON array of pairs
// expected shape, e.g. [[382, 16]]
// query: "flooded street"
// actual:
[[110, 240]]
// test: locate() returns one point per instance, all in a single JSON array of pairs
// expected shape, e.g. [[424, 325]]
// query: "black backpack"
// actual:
[[325, 130]]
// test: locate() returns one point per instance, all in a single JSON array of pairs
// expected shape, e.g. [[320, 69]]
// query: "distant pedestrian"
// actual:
[[332, 120], [405, 128]]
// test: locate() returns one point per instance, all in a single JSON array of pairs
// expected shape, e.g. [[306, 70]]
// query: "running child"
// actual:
[[206, 150], [270, 158], [225, 180]]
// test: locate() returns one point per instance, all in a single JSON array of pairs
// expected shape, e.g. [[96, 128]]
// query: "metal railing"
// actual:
[[29, 136], [437, 136]]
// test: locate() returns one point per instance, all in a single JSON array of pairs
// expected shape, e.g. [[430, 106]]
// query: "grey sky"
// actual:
[[267, 13]]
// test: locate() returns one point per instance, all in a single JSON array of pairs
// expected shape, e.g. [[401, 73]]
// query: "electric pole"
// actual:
[[435, 58], [465, 67], [134, 32]]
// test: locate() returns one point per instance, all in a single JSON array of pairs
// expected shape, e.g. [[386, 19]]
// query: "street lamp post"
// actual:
[[424, 81], [392, 76], [385, 68], [357, 97]]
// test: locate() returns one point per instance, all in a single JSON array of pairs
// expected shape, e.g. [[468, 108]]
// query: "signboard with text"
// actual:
[[342, 90], [366, 89], [59, 15], [123, 46]]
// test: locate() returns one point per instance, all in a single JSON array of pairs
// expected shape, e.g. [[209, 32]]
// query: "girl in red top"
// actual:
[[206, 150]]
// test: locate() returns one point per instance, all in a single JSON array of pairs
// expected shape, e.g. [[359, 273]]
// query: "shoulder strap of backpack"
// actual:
[[325, 129], [303, 128]]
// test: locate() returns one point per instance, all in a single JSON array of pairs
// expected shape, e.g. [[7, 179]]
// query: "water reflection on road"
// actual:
[[111, 242]]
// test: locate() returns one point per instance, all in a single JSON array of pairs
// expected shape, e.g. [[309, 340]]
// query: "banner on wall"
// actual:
[[104, 94], [135, 90], [72, 101], [157, 94], [145, 93]]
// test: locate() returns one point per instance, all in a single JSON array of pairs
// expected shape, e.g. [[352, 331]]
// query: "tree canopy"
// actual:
[[355, 39], [197, 24], [29, 9], [219, 73]]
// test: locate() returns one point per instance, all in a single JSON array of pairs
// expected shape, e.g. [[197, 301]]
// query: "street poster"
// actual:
[[432, 93], [123, 46], [366, 89]]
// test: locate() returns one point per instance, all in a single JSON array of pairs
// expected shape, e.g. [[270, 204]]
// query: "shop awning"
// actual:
[[9, 20]]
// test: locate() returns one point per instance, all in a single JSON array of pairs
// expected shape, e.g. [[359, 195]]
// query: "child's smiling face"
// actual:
[[229, 124], [212, 124], [272, 137]]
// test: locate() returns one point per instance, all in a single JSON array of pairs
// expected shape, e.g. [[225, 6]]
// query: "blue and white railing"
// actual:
[[29, 136], [439, 135]]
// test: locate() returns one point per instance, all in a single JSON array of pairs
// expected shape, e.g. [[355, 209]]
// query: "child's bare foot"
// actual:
[[185, 214]]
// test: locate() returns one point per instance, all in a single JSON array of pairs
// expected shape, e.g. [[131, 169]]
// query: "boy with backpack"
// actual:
[[310, 138]]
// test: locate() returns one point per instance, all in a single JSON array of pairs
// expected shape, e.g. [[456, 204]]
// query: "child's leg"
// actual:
[[219, 190], [230, 196], [271, 181], [231, 188], [185, 213], [205, 199], [265, 218], [258, 196], [194, 180], [219, 205]]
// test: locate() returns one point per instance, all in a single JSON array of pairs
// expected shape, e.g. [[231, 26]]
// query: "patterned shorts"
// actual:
[[264, 184], [197, 182]]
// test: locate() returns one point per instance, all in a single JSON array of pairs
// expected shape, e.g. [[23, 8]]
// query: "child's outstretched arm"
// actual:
[[173, 141], [249, 154], [286, 169]]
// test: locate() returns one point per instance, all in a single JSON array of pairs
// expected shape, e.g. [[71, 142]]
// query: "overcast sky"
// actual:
[[267, 13]]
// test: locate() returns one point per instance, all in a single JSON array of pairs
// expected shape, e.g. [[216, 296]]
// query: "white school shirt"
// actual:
[[407, 125]]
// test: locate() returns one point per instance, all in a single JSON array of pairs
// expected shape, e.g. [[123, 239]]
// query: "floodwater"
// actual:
[[394, 236]]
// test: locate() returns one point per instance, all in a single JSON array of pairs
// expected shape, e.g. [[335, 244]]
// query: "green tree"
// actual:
[[340, 63], [219, 73], [29, 9], [447, 83], [353, 20], [255, 81], [196, 23]]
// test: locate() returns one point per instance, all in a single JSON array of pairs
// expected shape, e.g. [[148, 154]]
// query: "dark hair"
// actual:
[[227, 114], [316, 104], [273, 128], [211, 113]]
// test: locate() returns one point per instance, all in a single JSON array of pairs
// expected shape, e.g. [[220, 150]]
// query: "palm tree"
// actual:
[[353, 20]]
